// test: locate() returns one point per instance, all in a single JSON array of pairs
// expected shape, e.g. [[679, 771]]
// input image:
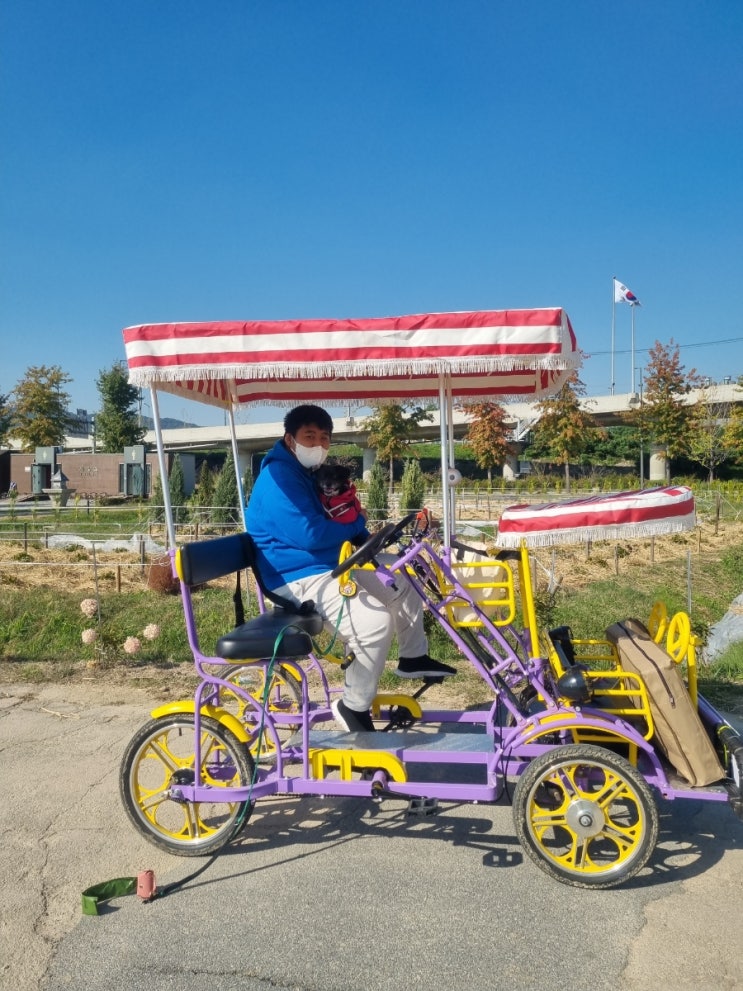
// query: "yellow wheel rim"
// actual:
[[168, 759], [586, 819], [284, 696]]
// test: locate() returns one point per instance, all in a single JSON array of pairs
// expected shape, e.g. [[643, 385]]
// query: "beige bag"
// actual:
[[679, 731]]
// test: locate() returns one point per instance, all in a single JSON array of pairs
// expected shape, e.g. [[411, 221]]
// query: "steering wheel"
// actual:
[[377, 542]]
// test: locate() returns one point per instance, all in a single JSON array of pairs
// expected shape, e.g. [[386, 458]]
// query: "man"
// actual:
[[298, 547]]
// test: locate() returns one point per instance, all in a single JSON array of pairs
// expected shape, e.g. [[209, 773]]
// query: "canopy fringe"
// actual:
[[580, 535]]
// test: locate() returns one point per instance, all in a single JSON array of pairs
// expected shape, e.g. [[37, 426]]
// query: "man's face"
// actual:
[[309, 435]]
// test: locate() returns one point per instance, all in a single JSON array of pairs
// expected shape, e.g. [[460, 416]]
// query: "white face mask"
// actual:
[[310, 457]]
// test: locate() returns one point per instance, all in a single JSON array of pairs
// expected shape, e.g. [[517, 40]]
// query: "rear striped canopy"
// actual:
[[517, 354], [647, 513]]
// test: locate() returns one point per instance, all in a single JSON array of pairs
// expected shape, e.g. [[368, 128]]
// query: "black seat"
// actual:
[[275, 632], [285, 631]]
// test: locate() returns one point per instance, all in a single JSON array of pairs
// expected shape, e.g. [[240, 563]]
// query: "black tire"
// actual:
[[161, 754], [585, 816]]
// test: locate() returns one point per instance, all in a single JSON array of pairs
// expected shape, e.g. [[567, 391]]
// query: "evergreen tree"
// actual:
[[176, 485], [117, 423], [203, 497], [157, 501], [412, 487], [39, 417], [225, 505], [377, 504]]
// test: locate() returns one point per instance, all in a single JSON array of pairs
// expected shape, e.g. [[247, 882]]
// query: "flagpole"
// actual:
[[613, 324], [632, 306]]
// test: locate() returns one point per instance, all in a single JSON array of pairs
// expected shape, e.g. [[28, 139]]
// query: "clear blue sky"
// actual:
[[275, 159]]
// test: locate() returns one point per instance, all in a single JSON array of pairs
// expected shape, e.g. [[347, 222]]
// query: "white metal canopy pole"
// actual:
[[164, 479], [236, 463], [444, 437]]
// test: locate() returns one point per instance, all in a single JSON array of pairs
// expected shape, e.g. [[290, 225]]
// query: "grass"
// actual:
[[41, 627]]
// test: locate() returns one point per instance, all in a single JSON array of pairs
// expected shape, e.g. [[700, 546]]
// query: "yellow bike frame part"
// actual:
[[188, 707]]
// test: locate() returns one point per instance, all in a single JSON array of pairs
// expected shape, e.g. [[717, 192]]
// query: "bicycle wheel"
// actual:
[[585, 816], [284, 696], [160, 756]]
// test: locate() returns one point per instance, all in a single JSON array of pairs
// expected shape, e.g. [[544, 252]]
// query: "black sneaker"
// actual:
[[351, 720], [423, 667]]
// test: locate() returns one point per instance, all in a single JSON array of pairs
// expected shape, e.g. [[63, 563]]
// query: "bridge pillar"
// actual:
[[658, 462], [370, 456], [511, 467]]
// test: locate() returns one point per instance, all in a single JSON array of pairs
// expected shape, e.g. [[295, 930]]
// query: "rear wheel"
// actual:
[[159, 758], [283, 697], [585, 816]]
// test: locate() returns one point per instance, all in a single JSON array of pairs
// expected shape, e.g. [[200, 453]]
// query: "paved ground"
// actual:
[[327, 894]]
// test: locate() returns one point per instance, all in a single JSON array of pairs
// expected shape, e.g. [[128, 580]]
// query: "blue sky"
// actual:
[[308, 158]]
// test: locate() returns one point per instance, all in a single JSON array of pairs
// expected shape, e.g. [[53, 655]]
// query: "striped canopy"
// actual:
[[518, 354], [647, 513]]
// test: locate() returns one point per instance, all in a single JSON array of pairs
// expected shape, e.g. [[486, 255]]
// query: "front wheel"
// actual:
[[161, 756], [585, 816]]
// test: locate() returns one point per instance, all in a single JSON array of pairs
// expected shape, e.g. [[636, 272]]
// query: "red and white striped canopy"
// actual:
[[647, 513], [484, 353]]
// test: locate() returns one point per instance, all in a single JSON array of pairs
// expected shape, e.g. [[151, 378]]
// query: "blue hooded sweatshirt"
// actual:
[[293, 536]]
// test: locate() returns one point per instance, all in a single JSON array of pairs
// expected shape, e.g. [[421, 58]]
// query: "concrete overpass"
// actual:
[[606, 410]]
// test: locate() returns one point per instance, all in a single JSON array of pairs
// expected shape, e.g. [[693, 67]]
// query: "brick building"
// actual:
[[90, 474]]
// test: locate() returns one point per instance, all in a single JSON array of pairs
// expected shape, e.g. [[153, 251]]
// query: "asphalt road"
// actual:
[[330, 894]]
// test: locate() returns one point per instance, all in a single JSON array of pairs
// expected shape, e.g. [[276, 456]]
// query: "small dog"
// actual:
[[337, 492]]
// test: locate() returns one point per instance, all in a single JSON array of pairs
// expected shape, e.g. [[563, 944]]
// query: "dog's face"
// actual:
[[332, 480]]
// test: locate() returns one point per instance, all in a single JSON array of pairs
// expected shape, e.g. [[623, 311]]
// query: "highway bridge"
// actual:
[[606, 410]]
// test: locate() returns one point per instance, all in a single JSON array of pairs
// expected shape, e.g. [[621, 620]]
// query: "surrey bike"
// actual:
[[574, 732]]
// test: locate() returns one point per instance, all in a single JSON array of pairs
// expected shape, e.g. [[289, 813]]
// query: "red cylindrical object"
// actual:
[[146, 886]]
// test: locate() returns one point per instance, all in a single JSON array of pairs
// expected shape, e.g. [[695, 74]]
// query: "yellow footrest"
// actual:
[[348, 761], [390, 699]]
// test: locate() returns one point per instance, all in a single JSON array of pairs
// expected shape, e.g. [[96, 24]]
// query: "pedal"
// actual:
[[422, 807]]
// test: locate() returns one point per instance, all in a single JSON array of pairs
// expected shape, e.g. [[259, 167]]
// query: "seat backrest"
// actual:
[[205, 560]]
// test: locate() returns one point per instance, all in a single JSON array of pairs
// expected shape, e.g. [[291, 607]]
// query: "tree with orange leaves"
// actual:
[[565, 427], [488, 434]]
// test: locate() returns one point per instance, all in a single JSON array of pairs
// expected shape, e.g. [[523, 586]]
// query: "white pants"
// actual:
[[369, 620]]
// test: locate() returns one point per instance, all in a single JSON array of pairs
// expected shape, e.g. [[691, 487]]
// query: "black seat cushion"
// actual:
[[257, 638]]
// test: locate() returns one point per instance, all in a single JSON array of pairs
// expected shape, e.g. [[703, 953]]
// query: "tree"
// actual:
[[177, 487], [225, 506], [564, 428], [709, 443], [391, 428], [488, 435], [6, 417], [377, 506], [734, 431], [412, 487], [117, 423], [203, 497], [39, 417], [663, 415]]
